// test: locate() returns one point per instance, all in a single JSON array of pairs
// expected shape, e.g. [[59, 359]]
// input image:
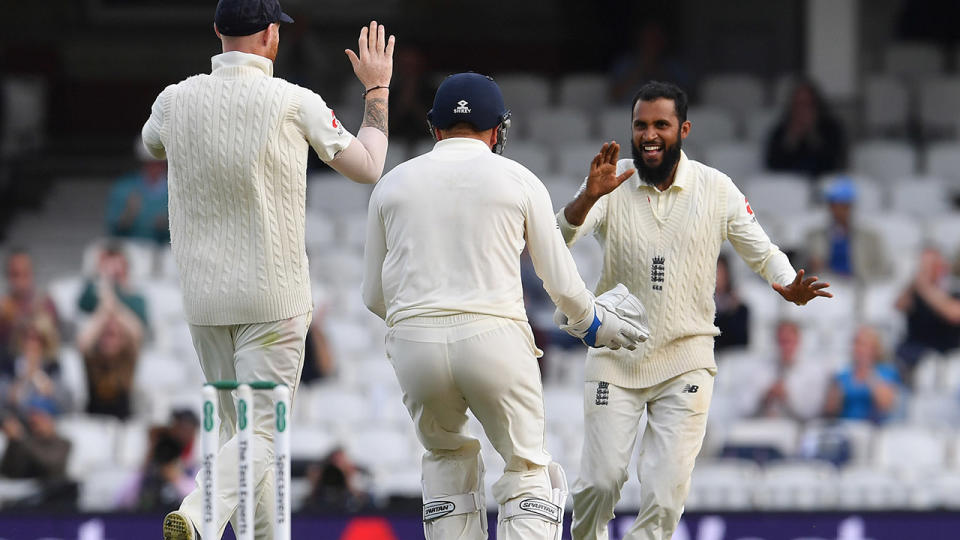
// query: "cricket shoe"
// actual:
[[177, 526]]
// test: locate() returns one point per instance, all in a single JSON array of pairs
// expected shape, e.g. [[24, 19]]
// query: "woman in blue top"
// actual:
[[866, 390]]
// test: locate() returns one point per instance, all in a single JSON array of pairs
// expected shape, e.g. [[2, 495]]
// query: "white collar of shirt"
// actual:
[[461, 144], [239, 62], [679, 180]]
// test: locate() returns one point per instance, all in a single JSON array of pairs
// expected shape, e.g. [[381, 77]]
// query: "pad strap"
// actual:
[[452, 505], [532, 507]]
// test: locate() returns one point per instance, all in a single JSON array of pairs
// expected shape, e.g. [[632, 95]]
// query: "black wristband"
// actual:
[[371, 89]]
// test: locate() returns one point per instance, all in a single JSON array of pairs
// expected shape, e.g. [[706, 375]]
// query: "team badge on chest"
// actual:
[[657, 273]]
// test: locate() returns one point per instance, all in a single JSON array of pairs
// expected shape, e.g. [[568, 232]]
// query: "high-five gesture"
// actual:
[[373, 61], [603, 171], [601, 180], [803, 290]]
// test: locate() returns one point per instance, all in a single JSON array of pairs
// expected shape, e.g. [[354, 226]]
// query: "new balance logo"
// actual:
[[690, 389], [657, 273], [603, 393], [461, 107]]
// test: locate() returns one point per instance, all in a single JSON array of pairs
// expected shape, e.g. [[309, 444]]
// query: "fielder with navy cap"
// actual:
[[442, 268], [237, 141]]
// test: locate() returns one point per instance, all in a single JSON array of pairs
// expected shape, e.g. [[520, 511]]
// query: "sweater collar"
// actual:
[[236, 63], [680, 181]]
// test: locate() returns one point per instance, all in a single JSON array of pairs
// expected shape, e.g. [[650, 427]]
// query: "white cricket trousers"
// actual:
[[489, 364], [270, 351], [676, 423]]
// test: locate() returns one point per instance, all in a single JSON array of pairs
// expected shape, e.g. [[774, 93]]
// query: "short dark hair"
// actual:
[[654, 90]]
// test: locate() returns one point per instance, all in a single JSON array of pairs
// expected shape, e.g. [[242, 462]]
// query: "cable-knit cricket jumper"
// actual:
[[665, 251], [236, 141]]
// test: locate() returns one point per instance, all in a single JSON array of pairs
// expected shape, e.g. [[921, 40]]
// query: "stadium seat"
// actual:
[[879, 309], [522, 94], [309, 442], [330, 404], [561, 189], [942, 231], [132, 443], [584, 91], [777, 194], [101, 488], [803, 485], [574, 158], [946, 487], [778, 434], [939, 101], [723, 484], [156, 370], [92, 439], [943, 161], [710, 125], [926, 450], [532, 155], [738, 160], [563, 406], [938, 409], [736, 92], [615, 125], [887, 161], [910, 60], [380, 447], [559, 126], [405, 482], [320, 232], [758, 125], [65, 291], [333, 194], [825, 437], [901, 236], [886, 104], [866, 488], [922, 198]]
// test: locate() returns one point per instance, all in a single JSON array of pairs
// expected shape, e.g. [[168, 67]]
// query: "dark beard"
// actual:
[[657, 175]]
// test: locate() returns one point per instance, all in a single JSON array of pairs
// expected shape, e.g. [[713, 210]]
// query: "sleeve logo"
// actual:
[[749, 210]]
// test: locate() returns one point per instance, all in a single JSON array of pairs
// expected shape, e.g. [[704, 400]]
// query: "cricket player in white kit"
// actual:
[[237, 142], [442, 268], [661, 231]]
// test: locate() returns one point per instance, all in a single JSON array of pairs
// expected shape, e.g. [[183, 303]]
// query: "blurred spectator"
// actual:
[[867, 390], [733, 316], [33, 378], [183, 427], [932, 310], [845, 247], [793, 388], [38, 452], [411, 94], [337, 484], [110, 345], [648, 60], [113, 274], [22, 302], [165, 479], [318, 361], [807, 139], [137, 204]]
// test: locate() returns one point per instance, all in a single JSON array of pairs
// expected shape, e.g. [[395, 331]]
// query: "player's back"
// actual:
[[454, 221]]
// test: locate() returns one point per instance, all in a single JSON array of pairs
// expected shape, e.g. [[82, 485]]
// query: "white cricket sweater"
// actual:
[[664, 246], [444, 235], [236, 142]]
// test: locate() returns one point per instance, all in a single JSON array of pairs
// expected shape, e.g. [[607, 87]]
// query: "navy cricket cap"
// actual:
[[246, 17], [468, 97]]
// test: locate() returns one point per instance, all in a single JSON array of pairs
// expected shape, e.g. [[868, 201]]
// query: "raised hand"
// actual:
[[803, 290], [373, 61], [603, 178]]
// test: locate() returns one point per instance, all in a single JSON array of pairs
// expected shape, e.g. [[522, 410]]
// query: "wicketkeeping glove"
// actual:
[[619, 320]]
